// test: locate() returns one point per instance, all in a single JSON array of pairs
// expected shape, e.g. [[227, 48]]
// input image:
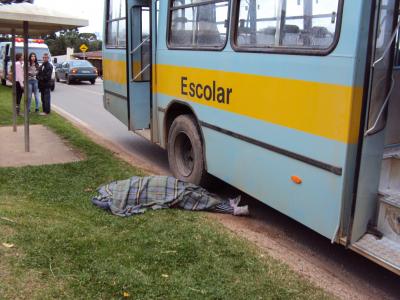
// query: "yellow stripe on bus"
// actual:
[[326, 110], [115, 71]]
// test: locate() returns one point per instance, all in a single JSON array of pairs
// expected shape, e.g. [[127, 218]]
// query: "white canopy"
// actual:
[[39, 21], [42, 20]]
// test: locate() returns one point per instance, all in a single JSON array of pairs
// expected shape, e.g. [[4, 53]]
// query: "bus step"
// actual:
[[389, 217], [390, 173], [146, 133], [384, 251]]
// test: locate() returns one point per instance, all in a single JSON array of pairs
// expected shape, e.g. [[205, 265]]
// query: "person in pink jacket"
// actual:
[[19, 74]]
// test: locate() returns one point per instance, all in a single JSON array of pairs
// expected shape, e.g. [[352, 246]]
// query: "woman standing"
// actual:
[[33, 87], [19, 74]]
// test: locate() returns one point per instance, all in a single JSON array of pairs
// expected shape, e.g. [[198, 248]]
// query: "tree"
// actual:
[[58, 44]]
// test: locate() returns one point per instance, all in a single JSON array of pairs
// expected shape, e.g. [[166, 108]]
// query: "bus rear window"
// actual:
[[291, 24], [80, 63]]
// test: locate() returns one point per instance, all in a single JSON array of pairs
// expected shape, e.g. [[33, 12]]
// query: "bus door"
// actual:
[[381, 84], [139, 64]]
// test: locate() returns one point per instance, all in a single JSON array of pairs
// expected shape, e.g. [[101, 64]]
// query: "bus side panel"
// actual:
[[115, 84], [266, 175], [306, 105]]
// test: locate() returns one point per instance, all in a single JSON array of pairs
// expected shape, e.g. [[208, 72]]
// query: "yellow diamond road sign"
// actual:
[[83, 48]]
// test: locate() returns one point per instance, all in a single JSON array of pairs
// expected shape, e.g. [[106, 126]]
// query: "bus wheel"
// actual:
[[185, 150]]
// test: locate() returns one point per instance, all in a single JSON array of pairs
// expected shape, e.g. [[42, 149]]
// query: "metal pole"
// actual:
[[26, 125], [14, 87], [308, 20], [308, 13], [253, 20]]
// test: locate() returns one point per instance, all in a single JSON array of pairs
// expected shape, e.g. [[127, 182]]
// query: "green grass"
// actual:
[[67, 249]]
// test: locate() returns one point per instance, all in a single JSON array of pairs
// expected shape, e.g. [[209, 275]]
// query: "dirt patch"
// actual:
[[332, 278]]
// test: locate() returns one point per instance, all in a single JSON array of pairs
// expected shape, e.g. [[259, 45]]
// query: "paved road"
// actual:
[[353, 274], [84, 103]]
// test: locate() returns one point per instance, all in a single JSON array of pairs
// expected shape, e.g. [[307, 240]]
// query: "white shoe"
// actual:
[[241, 211]]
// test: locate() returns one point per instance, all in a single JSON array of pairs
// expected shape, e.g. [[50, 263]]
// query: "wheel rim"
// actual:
[[184, 154]]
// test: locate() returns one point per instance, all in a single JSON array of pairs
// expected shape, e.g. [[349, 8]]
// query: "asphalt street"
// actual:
[[83, 103]]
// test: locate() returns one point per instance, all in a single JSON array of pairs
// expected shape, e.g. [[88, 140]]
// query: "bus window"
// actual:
[[301, 24], [141, 69], [116, 31], [198, 24]]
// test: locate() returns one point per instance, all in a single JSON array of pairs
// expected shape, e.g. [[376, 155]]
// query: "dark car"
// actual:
[[76, 70]]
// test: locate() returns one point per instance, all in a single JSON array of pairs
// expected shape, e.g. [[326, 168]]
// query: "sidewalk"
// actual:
[[46, 148]]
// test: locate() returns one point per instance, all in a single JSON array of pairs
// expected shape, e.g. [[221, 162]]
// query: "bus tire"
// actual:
[[185, 151], [3, 82]]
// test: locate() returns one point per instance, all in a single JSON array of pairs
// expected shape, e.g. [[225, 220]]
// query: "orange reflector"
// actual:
[[297, 180]]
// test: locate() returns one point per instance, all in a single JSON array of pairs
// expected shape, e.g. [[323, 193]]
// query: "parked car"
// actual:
[[76, 70]]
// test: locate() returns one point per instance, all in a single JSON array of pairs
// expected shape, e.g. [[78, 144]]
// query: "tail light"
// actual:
[[74, 70], [95, 70], [39, 41], [21, 40]]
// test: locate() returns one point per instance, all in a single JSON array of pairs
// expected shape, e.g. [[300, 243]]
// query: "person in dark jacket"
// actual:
[[44, 77]]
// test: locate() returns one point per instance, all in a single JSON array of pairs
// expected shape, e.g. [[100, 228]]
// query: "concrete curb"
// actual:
[[116, 150]]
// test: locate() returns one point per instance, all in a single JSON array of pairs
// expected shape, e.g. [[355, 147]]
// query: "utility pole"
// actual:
[[14, 86], [26, 123]]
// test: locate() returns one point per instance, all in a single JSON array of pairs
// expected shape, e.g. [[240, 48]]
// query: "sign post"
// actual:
[[26, 112], [14, 87], [84, 48]]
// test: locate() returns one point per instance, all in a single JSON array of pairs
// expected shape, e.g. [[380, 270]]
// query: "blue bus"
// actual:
[[287, 100]]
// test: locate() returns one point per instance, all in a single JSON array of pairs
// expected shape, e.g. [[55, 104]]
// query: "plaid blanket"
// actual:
[[138, 194]]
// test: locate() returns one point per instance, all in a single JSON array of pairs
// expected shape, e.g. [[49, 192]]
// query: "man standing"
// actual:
[[44, 77]]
